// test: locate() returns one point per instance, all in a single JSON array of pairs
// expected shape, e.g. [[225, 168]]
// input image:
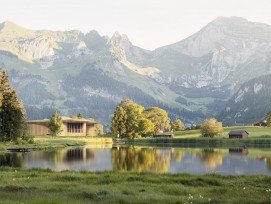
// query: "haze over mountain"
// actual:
[[250, 103], [89, 73]]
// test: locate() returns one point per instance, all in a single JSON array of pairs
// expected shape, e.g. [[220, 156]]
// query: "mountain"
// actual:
[[89, 73], [250, 103]]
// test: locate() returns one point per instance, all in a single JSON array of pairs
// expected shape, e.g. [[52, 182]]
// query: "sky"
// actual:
[[147, 23]]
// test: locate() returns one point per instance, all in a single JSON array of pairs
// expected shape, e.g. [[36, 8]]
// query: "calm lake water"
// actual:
[[172, 160]]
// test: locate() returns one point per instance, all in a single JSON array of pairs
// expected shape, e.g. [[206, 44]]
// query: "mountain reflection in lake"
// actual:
[[141, 159]]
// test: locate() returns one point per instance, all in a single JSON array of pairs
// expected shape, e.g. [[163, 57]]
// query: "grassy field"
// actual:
[[258, 136], [44, 186], [254, 132]]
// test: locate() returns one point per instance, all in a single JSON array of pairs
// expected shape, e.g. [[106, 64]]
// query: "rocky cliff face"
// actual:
[[192, 78], [224, 48], [250, 103]]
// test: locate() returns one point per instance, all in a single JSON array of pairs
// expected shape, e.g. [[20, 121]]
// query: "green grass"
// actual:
[[44, 186], [49, 142], [258, 137], [254, 132]]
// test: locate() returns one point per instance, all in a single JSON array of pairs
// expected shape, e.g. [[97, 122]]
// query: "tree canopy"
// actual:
[[131, 120], [99, 129], [158, 117], [210, 127], [55, 124], [177, 125], [12, 112], [118, 122], [268, 119]]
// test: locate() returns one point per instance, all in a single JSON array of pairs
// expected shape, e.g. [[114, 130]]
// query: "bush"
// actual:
[[28, 138], [210, 128]]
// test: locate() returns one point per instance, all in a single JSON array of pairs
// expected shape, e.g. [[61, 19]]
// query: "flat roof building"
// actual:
[[71, 126]]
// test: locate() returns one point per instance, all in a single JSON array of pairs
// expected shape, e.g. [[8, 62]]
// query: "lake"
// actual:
[[245, 161]]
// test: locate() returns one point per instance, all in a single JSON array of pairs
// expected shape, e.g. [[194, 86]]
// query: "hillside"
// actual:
[[90, 73], [250, 103]]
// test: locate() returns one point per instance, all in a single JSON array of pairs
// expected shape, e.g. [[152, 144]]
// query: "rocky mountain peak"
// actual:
[[233, 33], [10, 30], [123, 40]]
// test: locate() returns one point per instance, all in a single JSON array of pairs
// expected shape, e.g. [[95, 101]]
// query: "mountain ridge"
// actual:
[[194, 76]]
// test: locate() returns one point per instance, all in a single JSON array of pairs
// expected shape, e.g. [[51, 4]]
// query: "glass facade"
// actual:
[[75, 127]]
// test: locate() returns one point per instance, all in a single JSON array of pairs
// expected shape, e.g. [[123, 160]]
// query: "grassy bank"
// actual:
[[258, 137], [43, 186], [202, 142], [49, 142], [254, 132]]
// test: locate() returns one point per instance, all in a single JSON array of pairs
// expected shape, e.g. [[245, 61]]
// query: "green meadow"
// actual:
[[258, 137], [45, 186]]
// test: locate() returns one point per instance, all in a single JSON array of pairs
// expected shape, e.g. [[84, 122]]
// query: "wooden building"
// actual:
[[238, 134], [70, 127], [260, 123]]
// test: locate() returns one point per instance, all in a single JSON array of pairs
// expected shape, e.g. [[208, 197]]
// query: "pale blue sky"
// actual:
[[147, 23]]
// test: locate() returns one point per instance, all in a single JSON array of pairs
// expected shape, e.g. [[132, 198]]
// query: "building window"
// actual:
[[75, 127]]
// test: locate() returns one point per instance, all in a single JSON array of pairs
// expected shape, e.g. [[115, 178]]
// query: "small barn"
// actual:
[[238, 134], [260, 123]]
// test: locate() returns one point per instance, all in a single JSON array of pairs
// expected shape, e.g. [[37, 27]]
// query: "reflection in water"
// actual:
[[79, 154], [268, 163], [243, 151], [13, 160], [211, 158], [137, 159], [143, 159], [191, 160]]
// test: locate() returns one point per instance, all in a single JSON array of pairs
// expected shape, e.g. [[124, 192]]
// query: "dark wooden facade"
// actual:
[[238, 134], [261, 123], [243, 151]]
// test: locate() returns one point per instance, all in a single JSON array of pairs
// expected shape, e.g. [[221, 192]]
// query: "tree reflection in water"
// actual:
[[211, 158], [11, 159], [143, 159], [268, 163]]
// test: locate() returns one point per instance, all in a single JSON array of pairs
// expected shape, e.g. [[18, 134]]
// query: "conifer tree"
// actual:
[[12, 113], [118, 122]]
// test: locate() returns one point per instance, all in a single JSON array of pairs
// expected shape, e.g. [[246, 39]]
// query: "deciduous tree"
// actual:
[[158, 117], [177, 125], [145, 127], [210, 127], [133, 112], [55, 124], [268, 119], [99, 129]]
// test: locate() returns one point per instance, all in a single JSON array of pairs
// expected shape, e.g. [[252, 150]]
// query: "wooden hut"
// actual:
[[238, 134], [260, 123]]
